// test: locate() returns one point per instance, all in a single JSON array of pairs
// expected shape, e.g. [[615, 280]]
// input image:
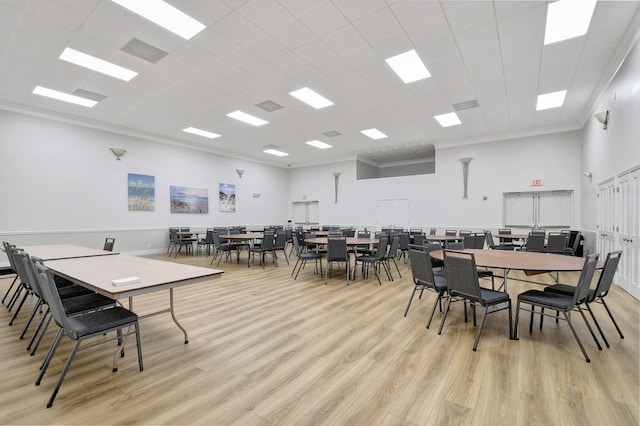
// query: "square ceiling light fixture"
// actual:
[[275, 152], [247, 118], [165, 15], [448, 120], [91, 62], [319, 144], [373, 133], [408, 66], [568, 19], [65, 97], [200, 132], [551, 100], [310, 97]]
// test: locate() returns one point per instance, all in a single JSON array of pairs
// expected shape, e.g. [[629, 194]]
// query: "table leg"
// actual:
[[173, 315]]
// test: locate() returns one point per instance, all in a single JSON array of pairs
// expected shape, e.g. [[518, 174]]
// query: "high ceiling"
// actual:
[[260, 50]]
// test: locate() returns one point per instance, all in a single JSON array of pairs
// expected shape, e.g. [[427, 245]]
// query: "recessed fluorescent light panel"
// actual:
[[448, 120], [95, 64], [200, 132], [551, 100], [319, 144], [246, 118], [568, 19], [408, 66], [373, 133], [165, 15], [275, 152], [54, 94], [310, 97]]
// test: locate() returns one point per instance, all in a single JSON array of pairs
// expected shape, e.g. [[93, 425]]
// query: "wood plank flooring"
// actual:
[[265, 349]]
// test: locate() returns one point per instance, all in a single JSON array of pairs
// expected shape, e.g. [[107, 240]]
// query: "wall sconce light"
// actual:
[[465, 173], [603, 117], [336, 176], [587, 173], [240, 172], [118, 152]]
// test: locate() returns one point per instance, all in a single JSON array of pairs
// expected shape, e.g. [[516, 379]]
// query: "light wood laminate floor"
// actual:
[[269, 350]]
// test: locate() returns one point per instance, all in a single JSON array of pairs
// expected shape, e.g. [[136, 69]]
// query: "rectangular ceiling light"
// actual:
[[408, 66], [448, 120], [275, 152], [568, 19], [54, 94], [165, 15], [373, 133], [249, 119], [95, 64], [551, 100], [200, 132], [319, 144], [310, 97]]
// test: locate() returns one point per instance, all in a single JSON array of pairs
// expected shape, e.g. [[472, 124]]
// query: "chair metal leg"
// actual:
[[413, 293], [584, 318], [595, 321], [484, 316], [444, 316], [612, 319], [9, 289], [15, 314], [32, 315], [568, 319], [50, 354], [64, 373], [433, 311], [515, 326]]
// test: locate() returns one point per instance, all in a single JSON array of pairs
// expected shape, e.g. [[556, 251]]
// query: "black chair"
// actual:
[[562, 303], [535, 242], [435, 263], [267, 246], [557, 243], [304, 257], [108, 244], [450, 232], [206, 242], [392, 254], [170, 246], [598, 294], [492, 245], [221, 249], [468, 240], [177, 243], [424, 278], [13, 269], [419, 239], [375, 260], [463, 285], [281, 245], [84, 327], [337, 252], [403, 242]]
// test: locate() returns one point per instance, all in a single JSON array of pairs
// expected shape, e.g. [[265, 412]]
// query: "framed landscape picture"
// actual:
[[185, 199], [227, 197], [141, 192]]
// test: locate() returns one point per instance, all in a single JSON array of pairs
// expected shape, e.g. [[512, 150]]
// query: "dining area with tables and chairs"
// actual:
[[340, 294]]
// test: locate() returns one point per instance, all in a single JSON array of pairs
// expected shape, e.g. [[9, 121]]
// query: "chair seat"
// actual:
[[73, 291], [439, 284], [556, 301], [96, 322], [74, 305], [492, 297]]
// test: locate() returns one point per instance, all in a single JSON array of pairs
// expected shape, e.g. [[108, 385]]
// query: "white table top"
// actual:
[[63, 251], [98, 272]]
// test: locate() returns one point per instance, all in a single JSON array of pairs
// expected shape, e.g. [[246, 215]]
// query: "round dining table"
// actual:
[[508, 260]]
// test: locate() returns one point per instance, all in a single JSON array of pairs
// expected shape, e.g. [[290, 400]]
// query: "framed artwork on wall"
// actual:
[[227, 197], [141, 192], [185, 199]]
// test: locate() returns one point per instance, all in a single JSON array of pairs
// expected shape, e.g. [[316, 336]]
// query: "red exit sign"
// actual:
[[536, 182]]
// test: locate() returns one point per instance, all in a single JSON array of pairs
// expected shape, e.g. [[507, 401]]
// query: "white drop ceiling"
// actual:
[[260, 50]]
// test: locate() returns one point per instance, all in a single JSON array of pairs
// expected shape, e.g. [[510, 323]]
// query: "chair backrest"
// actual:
[[478, 240], [420, 263], [208, 239], [267, 241], [7, 247], [469, 241], [337, 249], [488, 236], [26, 264], [557, 243], [381, 251], [216, 240], [464, 233], [185, 229], [173, 235], [395, 245], [48, 286], [15, 253], [451, 232], [584, 282], [462, 275], [109, 243], [454, 245], [535, 242], [433, 231], [362, 234], [403, 241], [504, 231], [296, 243], [576, 242], [607, 274], [419, 239], [539, 231], [281, 240]]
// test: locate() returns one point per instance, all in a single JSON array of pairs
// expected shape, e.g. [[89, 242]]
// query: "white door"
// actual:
[[629, 233], [605, 217]]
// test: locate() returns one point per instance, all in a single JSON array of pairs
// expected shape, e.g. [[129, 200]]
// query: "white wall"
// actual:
[[609, 152], [436, 199], [61, 183]]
